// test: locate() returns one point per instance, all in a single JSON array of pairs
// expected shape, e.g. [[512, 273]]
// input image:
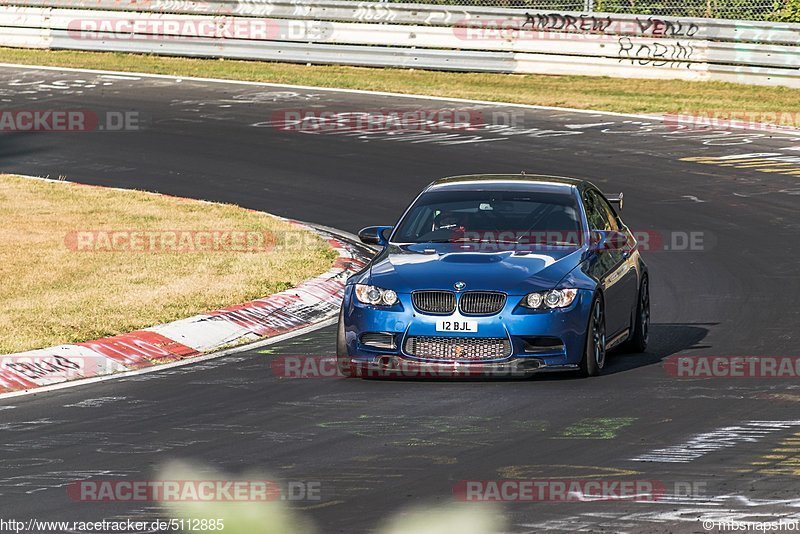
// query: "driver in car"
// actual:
[[451, 221]]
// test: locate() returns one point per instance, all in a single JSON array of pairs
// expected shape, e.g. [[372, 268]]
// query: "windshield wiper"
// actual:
[[560, 244], [468, 240]]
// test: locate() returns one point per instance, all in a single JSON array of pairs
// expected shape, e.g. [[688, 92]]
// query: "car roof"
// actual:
[[512, 182]]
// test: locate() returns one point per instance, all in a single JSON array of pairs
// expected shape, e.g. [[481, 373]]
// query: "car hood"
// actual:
[[406, 268]]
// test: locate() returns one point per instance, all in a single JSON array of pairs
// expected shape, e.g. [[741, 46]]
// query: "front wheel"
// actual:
[[594, 353], [641, 329], [342, 355]]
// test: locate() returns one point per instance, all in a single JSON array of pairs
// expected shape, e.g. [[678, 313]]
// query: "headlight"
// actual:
[[533, 300], [375, 296], [555, 298]]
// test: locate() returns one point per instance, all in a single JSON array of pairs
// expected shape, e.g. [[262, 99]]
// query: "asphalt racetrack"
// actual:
[[377, 447]]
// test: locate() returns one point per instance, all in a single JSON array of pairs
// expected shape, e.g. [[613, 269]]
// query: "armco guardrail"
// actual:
[[415, 36]]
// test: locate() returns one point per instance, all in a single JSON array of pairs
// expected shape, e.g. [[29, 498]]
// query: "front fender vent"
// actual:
[[378, 340]]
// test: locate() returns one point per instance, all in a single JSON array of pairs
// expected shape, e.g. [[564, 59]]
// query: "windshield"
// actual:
[[519, 218]]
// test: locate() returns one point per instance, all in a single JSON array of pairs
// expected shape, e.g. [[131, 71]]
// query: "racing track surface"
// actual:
[[379, 446]]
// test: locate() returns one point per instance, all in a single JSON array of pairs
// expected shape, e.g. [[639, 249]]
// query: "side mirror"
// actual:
[[608, 240], [375, 235], [618, 199]]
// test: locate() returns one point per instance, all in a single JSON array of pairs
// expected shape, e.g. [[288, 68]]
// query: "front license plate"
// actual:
[[447, 325]]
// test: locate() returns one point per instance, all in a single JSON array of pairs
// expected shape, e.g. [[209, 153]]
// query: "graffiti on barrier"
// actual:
[[675, 55], [563, 22], [584, 23], [253, 7], [666, 28], [368, 12]]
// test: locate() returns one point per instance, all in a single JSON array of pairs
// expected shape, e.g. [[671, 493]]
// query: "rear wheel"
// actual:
[[342, 356], [594, 353], [641, 329]]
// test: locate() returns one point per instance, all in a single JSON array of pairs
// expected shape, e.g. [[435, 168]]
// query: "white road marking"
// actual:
[[94, 403], [794, 132], [120, 77], [595, 125], [723, 438]]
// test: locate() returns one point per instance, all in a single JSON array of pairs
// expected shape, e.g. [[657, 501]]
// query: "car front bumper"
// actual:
[[403, 367], [538, 340]]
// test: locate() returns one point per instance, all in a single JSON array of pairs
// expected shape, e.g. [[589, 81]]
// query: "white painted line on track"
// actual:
[[178, 79]]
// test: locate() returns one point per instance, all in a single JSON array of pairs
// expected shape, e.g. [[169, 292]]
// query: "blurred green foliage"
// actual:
[[768, 10], [277, 517], [786, 11]]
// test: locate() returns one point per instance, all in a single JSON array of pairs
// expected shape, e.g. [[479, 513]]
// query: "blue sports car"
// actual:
[[497, 274]]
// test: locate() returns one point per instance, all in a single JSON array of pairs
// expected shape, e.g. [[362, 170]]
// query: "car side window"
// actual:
[[594, 214], [612, 216], [606, 213]]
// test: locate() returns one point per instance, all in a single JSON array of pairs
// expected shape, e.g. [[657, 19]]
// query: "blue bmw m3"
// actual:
[[497, 274]]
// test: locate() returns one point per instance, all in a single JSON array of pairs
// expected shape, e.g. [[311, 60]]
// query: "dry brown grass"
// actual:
[[54, 294]]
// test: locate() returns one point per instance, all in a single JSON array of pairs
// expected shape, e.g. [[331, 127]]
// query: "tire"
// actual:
[[342, 355], [594, 352], [641, 329]]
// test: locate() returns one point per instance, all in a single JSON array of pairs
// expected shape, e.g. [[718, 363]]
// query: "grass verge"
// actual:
[[608, 94], [65, 282]]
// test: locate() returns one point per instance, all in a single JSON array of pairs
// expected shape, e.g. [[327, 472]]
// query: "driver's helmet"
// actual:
[[453, 222], [450, 220]]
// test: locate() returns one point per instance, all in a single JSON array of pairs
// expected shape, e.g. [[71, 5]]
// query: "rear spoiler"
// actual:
[[618, 199]]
